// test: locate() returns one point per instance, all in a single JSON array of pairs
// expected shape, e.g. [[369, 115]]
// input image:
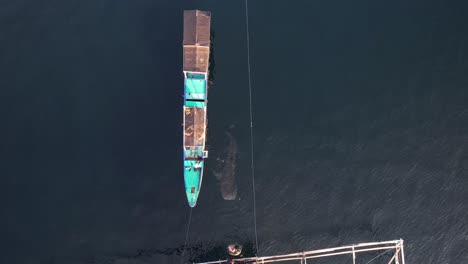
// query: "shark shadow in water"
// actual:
[[225, 170]]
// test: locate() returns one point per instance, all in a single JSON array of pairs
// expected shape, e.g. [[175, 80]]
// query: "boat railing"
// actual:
[[395, 247]]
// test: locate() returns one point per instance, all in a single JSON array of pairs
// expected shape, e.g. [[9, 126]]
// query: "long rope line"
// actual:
[[251, 127], [186, 236], [378, 255]]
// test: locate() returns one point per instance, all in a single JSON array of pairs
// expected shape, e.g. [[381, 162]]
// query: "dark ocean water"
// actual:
[[361, 129]]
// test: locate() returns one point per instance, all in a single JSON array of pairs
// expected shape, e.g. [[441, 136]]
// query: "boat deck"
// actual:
[[194, 132]]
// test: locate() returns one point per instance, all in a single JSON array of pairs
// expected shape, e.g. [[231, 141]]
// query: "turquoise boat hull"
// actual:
[[196, 49], [193, 178]]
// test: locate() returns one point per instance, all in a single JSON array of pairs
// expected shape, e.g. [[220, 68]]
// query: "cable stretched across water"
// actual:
[[374, 258], [251, 125]]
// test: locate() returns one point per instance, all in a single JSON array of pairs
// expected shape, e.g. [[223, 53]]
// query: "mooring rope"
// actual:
[[186, 236], [251, 126]]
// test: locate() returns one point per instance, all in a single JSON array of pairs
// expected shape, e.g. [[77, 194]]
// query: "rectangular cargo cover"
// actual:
[[194, 130], [196, 40]]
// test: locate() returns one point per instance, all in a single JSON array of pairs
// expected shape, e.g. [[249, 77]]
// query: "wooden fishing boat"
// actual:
[[196, 50]]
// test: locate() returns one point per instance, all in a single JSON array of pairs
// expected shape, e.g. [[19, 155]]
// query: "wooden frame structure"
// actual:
[[394, 246]]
